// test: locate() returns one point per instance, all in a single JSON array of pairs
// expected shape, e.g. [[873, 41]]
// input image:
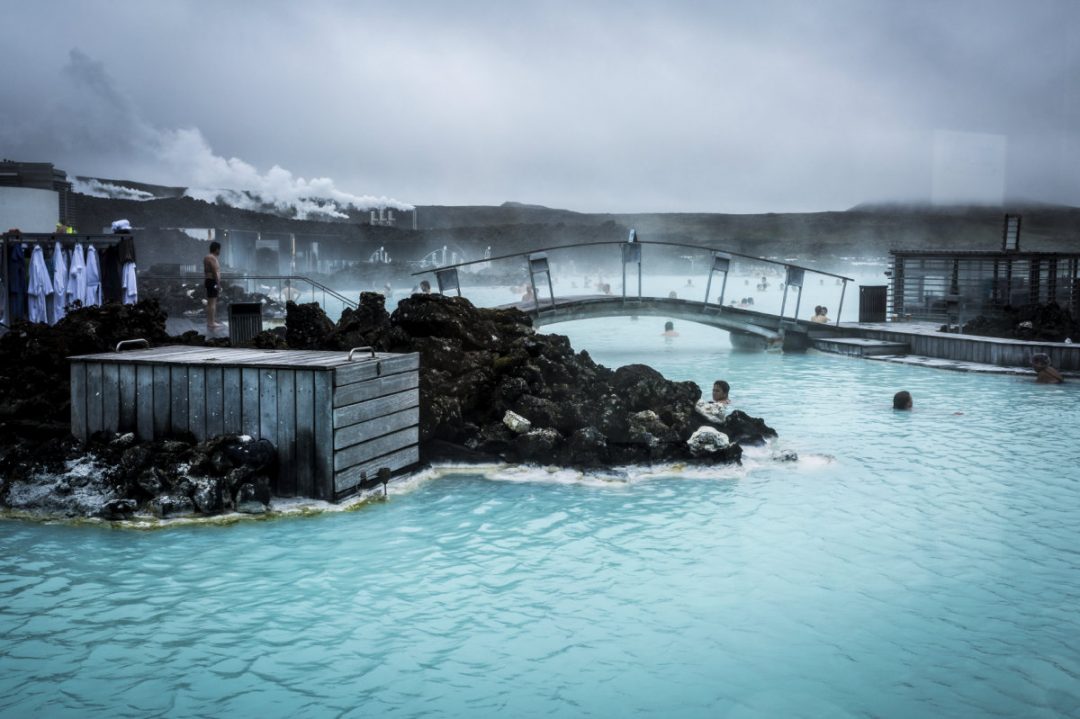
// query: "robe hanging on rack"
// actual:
[[93, 278], [16, 283], [76, 287], [60, 280], [38, 288], [131, 289]]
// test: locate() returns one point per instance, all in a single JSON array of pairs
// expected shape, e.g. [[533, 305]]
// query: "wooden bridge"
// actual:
[[749, 328]]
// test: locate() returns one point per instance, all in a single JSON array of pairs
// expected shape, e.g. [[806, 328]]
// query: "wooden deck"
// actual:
[[334, 421], [926, 340]]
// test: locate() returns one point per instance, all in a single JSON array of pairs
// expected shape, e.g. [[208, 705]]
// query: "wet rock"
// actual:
[[153, 481], [122, 441], [117, 509], [744, 429], [539, 445], [516, 423], [541, 412], [707, 441], [250, 500], [134, 459], [785, 455], [257, 454], [587, 447], [174, 446], [169, 506], [648, 424], [209, 494]]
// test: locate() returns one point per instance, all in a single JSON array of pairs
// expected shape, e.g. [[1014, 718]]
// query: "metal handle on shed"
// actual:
[[362, 349], [141, 341]]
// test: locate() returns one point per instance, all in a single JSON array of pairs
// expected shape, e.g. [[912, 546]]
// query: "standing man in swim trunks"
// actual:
[[212, 273]]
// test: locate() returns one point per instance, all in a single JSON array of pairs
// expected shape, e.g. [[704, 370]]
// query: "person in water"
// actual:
[[669, 330], [720, 390], [902, 400], [1044, 371]]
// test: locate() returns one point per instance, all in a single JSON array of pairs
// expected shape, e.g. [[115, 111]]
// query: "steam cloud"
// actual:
[[99, 188], [109, 124]]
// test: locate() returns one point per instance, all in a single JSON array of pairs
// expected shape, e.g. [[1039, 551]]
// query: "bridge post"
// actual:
[[538, 263], [721, 262], [631, 252], [448, 280], [843, 289], [795, 276]]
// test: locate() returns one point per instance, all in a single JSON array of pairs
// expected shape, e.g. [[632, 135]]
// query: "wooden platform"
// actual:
[[859, 347], [335, 421], [927, 340]]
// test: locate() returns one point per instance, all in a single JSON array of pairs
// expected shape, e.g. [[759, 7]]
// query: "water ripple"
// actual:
[[929, 567]]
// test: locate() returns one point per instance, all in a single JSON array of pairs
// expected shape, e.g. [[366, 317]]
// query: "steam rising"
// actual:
[[110, 122], [98, 188]]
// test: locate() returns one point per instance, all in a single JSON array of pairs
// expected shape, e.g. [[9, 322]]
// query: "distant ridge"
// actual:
[[525, 206], [929, 208]]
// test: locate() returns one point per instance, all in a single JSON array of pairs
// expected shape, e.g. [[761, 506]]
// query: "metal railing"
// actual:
[[289, 287]]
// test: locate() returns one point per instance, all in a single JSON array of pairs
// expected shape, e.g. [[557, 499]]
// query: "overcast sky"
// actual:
[[594, 106]]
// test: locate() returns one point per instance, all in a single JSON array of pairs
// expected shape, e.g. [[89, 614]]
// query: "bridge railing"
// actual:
[[631, 271]]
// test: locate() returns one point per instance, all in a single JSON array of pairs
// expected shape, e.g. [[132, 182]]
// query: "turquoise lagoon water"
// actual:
[[919, 564]]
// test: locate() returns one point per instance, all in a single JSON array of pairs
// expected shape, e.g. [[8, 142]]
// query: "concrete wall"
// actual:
[[29, 209]]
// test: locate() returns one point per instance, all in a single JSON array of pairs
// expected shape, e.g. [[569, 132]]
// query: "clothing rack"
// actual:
[[47, 240]]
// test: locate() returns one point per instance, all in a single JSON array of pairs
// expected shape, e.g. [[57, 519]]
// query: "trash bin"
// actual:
[[873, 301], [245, 321]]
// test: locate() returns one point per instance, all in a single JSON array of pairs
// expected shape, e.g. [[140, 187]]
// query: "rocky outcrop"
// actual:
[[491, 385], [114, 478]]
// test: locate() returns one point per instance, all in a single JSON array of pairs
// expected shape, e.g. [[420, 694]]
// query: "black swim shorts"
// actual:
[[212, 289]]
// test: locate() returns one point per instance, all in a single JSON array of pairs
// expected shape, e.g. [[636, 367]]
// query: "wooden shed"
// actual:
[[336, 418]]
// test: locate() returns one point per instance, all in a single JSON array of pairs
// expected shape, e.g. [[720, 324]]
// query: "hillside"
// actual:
[[823, 237]]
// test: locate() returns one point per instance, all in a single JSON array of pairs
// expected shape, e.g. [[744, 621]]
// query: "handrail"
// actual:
[[638, 242], [354, 350], [316, 285], [137, 341]]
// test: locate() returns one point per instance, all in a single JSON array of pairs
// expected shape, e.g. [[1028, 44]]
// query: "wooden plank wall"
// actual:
[[332, 428], [376, 417]]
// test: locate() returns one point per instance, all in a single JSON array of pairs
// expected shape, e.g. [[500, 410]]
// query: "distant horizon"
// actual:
[[868, 205]]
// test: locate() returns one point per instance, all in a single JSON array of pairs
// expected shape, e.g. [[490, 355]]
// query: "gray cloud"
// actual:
[[685, 106]]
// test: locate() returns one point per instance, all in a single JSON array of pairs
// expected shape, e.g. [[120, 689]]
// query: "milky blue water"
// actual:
[[922, 564]]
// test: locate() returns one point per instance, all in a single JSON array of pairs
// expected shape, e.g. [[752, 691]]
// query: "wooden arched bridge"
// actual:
[[749, 328]]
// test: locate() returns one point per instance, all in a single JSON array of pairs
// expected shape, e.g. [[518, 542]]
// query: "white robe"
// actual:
[[131, 288], [76, 287], [38, 287], [93, 278], [59, 280]]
